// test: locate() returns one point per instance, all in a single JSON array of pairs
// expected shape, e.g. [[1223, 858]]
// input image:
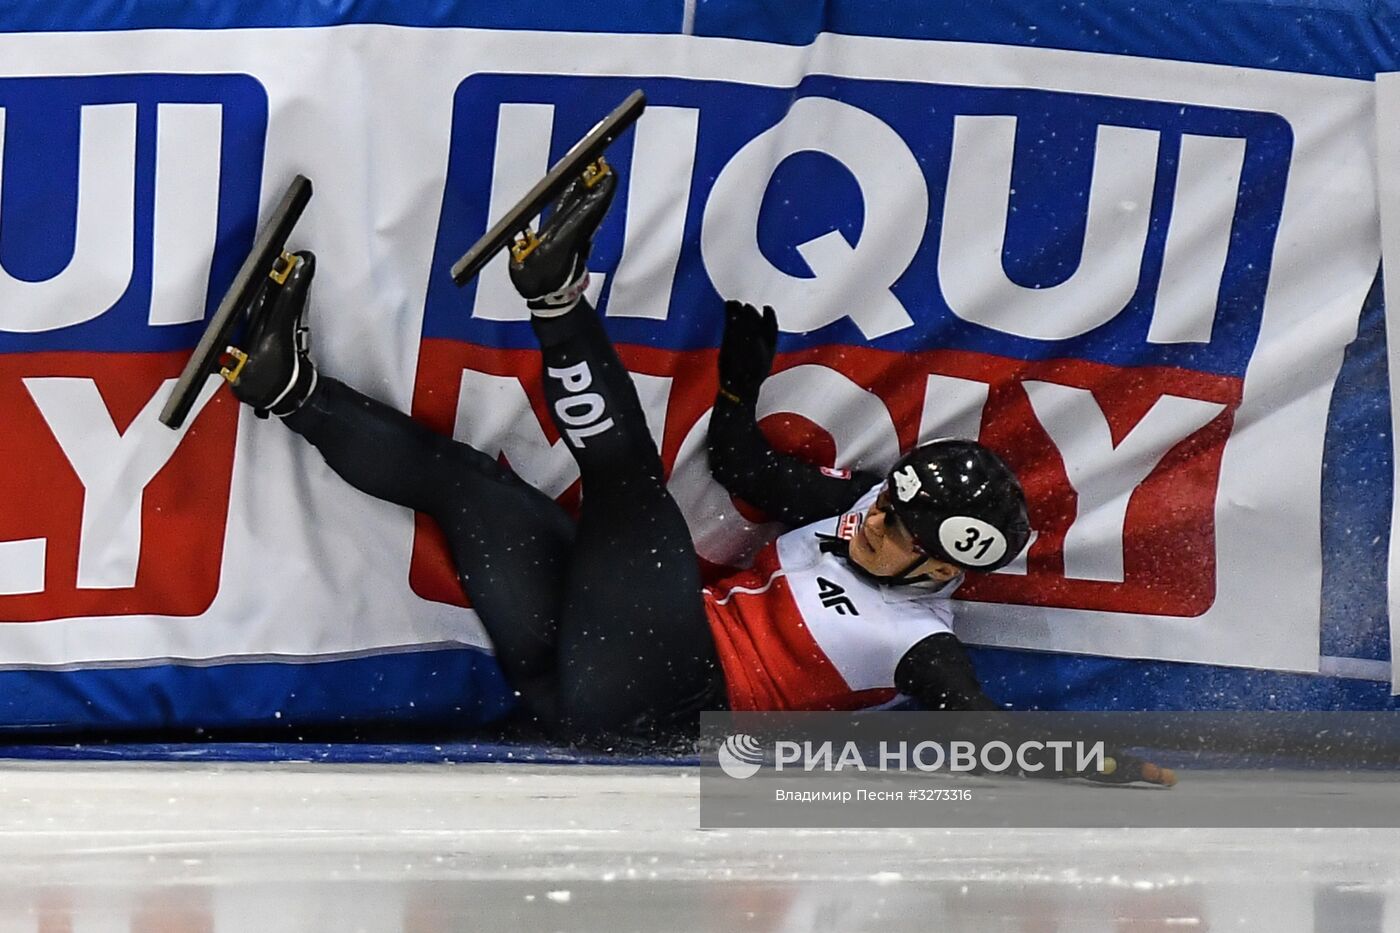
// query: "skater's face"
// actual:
[[883, 546]]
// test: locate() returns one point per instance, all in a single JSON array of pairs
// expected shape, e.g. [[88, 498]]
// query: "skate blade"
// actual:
[[584, 153], [266, 257]]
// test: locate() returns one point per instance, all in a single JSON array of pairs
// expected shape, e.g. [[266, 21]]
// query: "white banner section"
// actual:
[[1163, 385]]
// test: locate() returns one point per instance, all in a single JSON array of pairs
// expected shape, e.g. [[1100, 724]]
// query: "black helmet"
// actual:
[[961, 503]]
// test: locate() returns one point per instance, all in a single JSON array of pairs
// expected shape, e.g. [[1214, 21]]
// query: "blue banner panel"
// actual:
[[462, 687], [621, 16], [1348, 38], [1044, 242], [44, 121]]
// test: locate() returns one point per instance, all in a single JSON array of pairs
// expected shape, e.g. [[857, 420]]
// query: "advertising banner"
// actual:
[[1134, 278]]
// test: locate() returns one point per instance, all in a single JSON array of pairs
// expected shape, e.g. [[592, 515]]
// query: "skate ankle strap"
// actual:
[[562, 300]]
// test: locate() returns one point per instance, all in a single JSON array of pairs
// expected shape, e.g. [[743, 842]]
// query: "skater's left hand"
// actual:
[[1125, 769], [746, 352]]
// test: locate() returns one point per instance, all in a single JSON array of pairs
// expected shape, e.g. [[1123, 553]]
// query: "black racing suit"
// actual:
[[598, 623]]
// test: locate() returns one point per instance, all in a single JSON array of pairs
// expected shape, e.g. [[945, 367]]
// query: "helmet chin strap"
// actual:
[[831, 544], [905, 578]]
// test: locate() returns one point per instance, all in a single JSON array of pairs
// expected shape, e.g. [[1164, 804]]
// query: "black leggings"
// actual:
[[599, 624]]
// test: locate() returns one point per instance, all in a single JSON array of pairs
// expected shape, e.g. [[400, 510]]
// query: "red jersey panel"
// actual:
[[802, 630]]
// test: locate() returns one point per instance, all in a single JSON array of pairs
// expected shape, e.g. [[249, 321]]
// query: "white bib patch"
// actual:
[[971, 541], [906, 483]]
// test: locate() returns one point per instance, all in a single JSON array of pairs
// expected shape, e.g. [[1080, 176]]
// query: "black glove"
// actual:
[[1125, 769], [746, 352]]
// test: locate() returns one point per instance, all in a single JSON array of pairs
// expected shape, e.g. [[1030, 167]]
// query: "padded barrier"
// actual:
[[460, 684]]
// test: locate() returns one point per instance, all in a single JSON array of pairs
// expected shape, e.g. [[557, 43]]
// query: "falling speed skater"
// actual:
[[603, 624]]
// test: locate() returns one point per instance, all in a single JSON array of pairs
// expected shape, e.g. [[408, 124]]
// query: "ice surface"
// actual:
[[285, 848]]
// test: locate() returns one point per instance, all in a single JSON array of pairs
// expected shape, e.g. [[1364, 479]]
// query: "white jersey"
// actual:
[[803, 630]]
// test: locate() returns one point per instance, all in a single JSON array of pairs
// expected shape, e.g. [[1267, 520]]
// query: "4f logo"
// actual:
[[128, 201], [833, 596]]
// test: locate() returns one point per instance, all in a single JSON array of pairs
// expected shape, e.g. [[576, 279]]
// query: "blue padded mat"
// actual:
[[341, 753], [528, 754]]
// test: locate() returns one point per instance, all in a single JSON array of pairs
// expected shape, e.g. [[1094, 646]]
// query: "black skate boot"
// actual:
[[550, 270], [272, 371]]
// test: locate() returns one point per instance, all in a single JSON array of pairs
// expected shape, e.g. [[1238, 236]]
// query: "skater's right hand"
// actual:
[[746, 352], [1125, 769]]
